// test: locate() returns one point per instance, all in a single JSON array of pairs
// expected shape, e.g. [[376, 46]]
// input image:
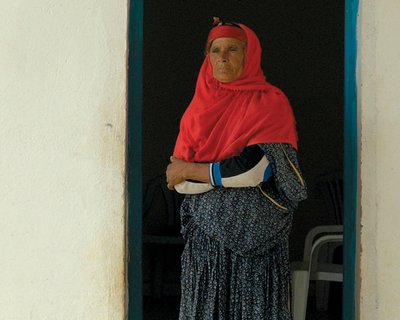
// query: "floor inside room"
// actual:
[[167, 308]]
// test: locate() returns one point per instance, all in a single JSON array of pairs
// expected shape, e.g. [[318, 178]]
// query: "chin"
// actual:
[[228, 80], [225, 79]]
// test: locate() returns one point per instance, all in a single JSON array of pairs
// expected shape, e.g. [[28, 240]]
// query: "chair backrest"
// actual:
[[331, 187], [171, 199]]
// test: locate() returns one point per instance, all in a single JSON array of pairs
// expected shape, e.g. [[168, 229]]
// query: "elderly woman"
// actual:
[[235, 159]]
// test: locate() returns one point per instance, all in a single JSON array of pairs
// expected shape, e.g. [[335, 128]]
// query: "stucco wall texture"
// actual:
[[62, 159], [379, 78]]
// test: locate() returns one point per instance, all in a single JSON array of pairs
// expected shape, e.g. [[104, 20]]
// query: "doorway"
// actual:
[[304, 54]]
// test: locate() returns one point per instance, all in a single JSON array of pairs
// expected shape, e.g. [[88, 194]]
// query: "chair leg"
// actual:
[[158, 272], [322, 287], [325, 254], [322, 295], [300, 283]]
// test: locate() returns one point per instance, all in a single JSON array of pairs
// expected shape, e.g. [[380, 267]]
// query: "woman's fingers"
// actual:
[[174, 159], [170, 187], [174, 173]]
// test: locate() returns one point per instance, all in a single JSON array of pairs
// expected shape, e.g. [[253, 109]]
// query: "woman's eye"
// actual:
[[214, 50], [232, 49]]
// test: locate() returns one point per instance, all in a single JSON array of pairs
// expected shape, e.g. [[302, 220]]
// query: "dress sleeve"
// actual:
[[248, 169], [287, 182]]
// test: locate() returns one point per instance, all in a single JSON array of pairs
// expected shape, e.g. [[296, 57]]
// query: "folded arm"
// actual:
[[248, 169]]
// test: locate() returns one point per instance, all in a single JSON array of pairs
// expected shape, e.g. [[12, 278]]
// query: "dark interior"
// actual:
[[303, 54]]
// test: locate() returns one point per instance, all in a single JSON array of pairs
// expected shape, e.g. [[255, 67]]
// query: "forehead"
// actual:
[[227, 42]]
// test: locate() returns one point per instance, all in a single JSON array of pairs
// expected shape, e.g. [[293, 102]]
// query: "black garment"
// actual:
[[248, 169]]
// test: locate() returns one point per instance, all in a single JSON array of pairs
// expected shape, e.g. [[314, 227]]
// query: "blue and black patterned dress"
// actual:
[[235, 265]]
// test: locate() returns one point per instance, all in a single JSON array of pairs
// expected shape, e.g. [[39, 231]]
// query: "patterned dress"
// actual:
[[235, 264]]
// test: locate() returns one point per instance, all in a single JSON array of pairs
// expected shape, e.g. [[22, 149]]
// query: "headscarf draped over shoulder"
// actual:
[[223, 118]]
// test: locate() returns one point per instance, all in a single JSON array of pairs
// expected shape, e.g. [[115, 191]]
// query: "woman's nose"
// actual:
[[223, 56]]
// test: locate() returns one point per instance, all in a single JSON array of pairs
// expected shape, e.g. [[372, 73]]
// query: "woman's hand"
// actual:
[[176, 172], [180, 170]]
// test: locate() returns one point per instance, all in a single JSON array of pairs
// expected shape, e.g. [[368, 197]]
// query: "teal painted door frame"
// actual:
[[134, 161], [350, 162]]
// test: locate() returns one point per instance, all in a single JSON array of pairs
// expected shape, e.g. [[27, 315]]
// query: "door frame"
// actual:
[[135, 172], [350, 164], [134, 296]]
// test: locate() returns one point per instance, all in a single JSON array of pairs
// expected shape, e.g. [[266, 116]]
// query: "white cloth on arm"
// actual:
[[189, 187]]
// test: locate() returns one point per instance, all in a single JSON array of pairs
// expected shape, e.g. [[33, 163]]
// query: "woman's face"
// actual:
[[227, 57]]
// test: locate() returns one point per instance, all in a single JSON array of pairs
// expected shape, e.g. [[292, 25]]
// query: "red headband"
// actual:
[[226, 32]]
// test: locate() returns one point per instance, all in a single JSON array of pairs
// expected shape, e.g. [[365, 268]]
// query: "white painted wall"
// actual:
[[379, 94], [62, 150]]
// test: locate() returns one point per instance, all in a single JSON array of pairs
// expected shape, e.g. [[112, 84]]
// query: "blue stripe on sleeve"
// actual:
[[217, 174], [267, 173]]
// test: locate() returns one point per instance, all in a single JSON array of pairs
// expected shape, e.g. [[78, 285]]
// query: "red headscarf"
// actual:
[[223, 118]]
